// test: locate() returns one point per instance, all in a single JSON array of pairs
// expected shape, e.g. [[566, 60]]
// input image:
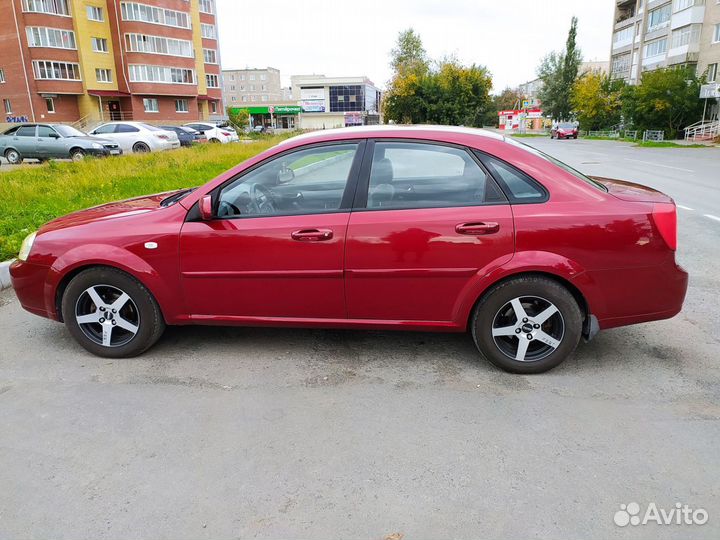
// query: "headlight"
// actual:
[[26, 246], [97, 145]]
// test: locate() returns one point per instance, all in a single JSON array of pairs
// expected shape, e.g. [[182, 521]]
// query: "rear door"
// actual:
[[428, 220], [24, 141]]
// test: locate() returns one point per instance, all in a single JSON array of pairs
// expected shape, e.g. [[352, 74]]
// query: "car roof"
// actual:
[[415, 131]]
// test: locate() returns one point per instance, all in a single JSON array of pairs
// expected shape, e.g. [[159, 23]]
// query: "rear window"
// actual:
[[564, 166]]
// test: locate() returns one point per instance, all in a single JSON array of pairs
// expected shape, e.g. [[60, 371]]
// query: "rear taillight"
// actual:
[[225, 133], [161, 136], [665, 218]]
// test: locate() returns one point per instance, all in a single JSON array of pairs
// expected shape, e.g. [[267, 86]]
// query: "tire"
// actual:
[[215, 140], [494, 324], [140, 148], [134, 327], [575, 137], [77, 154], [13, 157]]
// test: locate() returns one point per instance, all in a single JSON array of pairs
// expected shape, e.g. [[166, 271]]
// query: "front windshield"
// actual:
[[69, 131], [557, 162], [566, 126]]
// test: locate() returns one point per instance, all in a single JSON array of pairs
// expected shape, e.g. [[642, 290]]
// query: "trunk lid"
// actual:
[[629, 191]]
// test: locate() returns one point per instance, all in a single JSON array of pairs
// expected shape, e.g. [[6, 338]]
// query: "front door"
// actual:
[[428, 221], [114, 109], [50, 144], [276, 246]]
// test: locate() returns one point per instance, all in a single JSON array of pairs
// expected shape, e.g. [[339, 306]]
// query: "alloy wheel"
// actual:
[[107, 316], [528, 328]]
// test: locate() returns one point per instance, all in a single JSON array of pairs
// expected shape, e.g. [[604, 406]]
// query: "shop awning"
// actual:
[[108, 93]]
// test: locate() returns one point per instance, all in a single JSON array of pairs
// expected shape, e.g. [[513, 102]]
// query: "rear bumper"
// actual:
[[30, 283], [637, 295]]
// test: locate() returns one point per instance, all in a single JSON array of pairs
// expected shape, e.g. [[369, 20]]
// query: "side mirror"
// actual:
[[205, 205], [285, 175], [54, 136]]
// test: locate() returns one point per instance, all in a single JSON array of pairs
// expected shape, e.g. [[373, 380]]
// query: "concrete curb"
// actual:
[[5, 282]]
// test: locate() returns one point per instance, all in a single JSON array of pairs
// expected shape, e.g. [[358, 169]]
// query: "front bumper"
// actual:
[[103, 152], [30, 283]]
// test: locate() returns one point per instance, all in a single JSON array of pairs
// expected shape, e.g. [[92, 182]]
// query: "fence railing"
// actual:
[[612, 134], [653, 135]]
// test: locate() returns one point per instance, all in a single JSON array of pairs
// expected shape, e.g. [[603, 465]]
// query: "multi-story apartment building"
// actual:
[[242, 87], [649, 34], [94, 60]]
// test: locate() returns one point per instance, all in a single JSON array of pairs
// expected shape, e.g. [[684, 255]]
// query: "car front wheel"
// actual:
[[529, 324], [77, 155], [13, 157], [111, 314]]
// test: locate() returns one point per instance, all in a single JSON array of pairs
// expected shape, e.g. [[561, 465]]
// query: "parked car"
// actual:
[[187, 136], [138, 136], [379, 227], [564, 131], [52, 141], [214, 133]]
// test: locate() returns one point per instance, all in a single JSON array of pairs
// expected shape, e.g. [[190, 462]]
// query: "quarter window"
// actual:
[[308, 181], [421, 175], [519, 187]]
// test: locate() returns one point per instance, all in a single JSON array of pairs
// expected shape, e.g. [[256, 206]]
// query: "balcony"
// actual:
[[624, 11]]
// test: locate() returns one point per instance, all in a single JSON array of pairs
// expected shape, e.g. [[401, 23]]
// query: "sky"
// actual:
[[348, 38]]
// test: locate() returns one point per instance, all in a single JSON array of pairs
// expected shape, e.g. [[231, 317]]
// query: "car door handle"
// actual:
[[477, 228], [312, 235]]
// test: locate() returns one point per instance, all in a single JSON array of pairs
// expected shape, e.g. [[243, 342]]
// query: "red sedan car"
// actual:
[[410, 228], [564, 131]]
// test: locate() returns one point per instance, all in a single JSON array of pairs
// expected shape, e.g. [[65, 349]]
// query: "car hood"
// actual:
[[114, 210], [629, 191]]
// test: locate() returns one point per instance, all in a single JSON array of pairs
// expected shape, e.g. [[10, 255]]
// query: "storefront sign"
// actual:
[[353, 119], [276, 109], [312, 94], [313, 105], [16, 119], [710, 91]]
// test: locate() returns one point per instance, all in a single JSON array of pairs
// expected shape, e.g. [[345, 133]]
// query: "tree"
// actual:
[[666, 99], [558, 72], [240, 118], [445, 92], [409, 55], [597, 101]]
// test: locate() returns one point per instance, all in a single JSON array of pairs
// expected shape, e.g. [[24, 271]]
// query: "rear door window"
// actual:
[[26, 131], [426, 175]]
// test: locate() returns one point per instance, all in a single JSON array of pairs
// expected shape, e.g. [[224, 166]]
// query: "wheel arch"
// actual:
[[566, 283], [76, 148], [72, 263]]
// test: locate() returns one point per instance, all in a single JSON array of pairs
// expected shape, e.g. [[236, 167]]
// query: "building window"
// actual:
[[54, 38], [656, 48], [242, 87], [159, 45], [263, 98], [52, 7], [213, 107], [210, 56], [263, 87], [252, 87], [659, 18], [8, 106], [181, 105], [242, 77], [211, 81], [716, 35], [50, 104], [207, 31], [253, 98], [132, 11], [161, 74], [712, 71], [64, 71], [2, 75], [620, 64], [206, 6], [244, 98], [686, 35], [233, 98], [348, 98], [679, 5], [103, 75], [95, 13], [252, 77], [99, 44], [151, 105]]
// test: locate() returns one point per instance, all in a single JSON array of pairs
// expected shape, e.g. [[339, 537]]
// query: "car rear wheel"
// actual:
[[528, 324], [77, 154], [141, 148], [13, 157], [214, 140], [111, 314]]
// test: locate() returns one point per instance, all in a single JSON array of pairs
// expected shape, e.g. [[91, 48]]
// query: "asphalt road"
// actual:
[[247, 433]]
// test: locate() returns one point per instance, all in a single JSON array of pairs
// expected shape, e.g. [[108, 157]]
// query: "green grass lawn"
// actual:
[[35, 194]]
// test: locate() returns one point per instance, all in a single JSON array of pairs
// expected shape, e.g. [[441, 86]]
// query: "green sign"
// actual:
[[271, 109]]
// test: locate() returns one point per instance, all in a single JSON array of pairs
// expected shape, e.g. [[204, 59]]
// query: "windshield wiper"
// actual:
[[172, 199]]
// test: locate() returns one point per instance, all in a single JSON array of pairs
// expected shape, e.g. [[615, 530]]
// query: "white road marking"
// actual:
[[712, 217], [658, 165], [685, 207]]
